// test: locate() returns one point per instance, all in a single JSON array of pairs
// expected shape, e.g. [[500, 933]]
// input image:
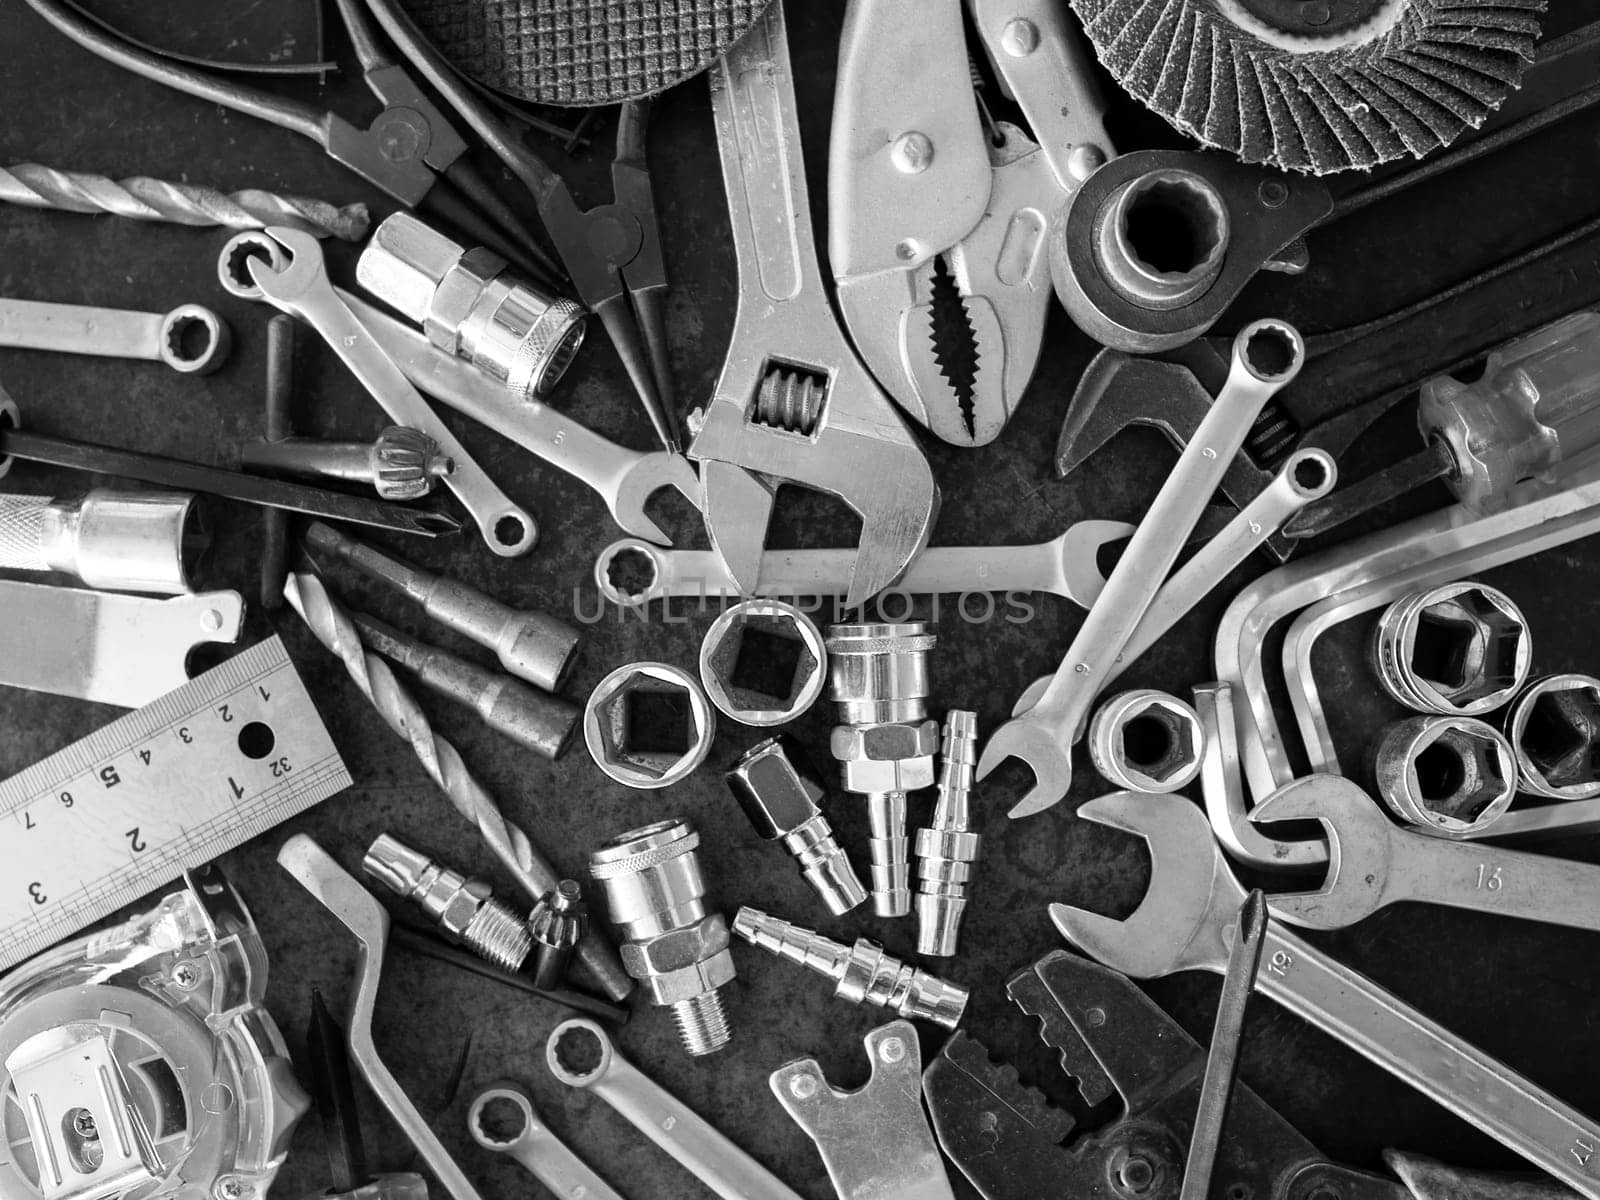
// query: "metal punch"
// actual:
[[286, 268], [409, 151], [793, 403], [938, 217]]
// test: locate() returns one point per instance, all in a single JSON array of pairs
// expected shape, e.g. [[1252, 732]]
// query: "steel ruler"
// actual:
[[132, 806]]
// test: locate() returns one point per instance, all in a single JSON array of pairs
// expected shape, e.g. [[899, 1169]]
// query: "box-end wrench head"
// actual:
[[1185, 922], [1372, 862], [1267, 354], [190, 339], [533, 1145], [1066, 566], [287, 268], [625, 479]]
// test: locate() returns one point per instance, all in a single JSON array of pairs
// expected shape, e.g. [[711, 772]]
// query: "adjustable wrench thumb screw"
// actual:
[[1266, 355]]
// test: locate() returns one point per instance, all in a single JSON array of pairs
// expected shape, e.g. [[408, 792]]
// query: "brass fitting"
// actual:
[[464, 909], [863, 972], [675, 948], [780, 793]]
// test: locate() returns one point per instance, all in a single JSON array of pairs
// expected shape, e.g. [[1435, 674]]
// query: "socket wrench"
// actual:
[[624, 478], [1065, 566], [286, 267], [535, 1147], [1185, 922], [660, 1116], [1266, 355], [191, 339], [115, 540]]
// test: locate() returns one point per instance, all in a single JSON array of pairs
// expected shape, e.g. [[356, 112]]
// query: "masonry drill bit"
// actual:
[[144, 199], [863, 973], [333, 628]]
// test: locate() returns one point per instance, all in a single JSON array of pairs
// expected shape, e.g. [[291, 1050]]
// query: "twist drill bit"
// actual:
[[144, 199], [864, 973], [333, 628], [947, 851]]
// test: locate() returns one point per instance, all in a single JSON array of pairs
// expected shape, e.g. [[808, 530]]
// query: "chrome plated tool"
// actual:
[[793, 403], [190, 339], [107, 538], [98, 824], [285, 267], [533, 1145], [1182, 925]]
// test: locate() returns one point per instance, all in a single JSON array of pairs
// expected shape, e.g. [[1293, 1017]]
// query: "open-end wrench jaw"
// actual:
[[1192, 896], [1360, 851], [648, 475]]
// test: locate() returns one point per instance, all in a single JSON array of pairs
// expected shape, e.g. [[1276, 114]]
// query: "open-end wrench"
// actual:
[[793, 403], [1305, 476], [286, 267], [191, 339], [535, 1147], [1064, 566], [1184, 922], [660, 1116], [1266, 355], [1372, 862], [624, 478]]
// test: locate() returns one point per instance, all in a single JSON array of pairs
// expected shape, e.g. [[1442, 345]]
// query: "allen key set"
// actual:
[[1010, 712]]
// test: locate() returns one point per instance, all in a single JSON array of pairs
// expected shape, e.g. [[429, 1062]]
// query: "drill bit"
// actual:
[[144, 199], [399, 709]]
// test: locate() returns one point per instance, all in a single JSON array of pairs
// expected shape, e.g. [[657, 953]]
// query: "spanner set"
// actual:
[[1122, 211]]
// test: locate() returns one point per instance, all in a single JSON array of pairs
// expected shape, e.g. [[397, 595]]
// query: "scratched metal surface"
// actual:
[[1526, 994]]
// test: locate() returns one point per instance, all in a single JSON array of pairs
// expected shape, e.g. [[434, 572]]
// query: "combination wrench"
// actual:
[[1184, 923], [1266, 356], [1372, 862], [286, 267], [191, 338], [535, 1147], [660, 1116], [624, 478], [1064, 566]]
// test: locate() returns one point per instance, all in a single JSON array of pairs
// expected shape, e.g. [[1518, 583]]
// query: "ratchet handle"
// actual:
[[682, 1133], [1466, 1081], [1485, 878]]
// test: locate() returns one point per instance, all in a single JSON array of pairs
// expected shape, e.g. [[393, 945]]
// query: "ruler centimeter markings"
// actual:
[[132, 806]]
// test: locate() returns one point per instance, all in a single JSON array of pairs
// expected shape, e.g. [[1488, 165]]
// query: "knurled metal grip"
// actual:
[[22, 533]]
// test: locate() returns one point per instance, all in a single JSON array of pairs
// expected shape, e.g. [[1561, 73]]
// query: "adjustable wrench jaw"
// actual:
[[1361, 851], [954, 335], [1193, 897]]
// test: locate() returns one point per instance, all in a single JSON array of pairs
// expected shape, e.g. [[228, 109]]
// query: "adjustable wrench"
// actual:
[[286, 267], [117, 333], [1183, 924], [535, 1147], [793, 402], [1266, 355], [1064, 566], [624, 478], [1372, 862], [661, 1116]]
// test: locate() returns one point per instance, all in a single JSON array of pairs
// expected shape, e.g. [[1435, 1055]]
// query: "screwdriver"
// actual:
[[529, 645], [1537, 404]]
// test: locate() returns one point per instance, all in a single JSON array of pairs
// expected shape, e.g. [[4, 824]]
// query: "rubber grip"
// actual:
[[22, 532]]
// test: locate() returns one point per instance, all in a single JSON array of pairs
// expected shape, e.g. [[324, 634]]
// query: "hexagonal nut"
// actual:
[[609, 733], [686, 983], [404, 263], [681, 963], [1146, 741], [782, 627], [1447, 775], [1554, 729], [457, 295], [1458, 649], [895, 757], [776, 786], [454, 907]]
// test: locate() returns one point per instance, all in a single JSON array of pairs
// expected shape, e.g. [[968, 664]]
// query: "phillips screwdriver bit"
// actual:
[[863, 972], [542, 723], [530, 645]]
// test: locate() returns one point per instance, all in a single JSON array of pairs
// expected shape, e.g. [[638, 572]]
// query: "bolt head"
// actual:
[[803, 1087], [912, 153], [1019, 38]]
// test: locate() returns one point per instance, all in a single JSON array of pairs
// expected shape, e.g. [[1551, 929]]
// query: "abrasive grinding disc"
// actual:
[[583, 52], [1319, 86]]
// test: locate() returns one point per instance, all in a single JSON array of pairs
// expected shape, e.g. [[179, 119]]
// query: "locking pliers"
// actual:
[[939, 217]]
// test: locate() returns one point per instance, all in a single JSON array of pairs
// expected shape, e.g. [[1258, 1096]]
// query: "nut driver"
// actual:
[[793, 403]]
